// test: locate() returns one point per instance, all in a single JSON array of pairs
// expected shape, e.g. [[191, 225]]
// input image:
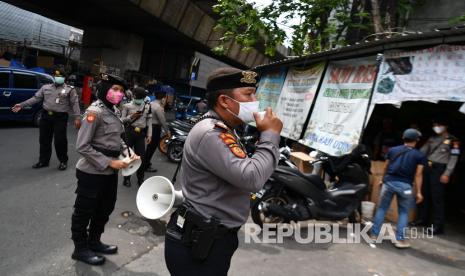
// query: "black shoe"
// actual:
[[63, 166], [87, 256], [419, 223], [100, 247], [39, 165], [127, 182], [150, 169]]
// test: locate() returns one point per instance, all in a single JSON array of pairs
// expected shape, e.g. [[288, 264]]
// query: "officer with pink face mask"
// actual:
[[99, 142]]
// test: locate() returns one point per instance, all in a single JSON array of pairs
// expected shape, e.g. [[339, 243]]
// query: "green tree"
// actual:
[[323, 24]]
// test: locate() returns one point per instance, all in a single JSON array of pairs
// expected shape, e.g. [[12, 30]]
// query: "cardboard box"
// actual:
[[302, 161], [375, 179], [4, 63]]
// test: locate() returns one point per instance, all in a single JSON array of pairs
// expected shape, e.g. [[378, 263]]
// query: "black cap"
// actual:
[[113, 79], [235, 78], [139, 92]]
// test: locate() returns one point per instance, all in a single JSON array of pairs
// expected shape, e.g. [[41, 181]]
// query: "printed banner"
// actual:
[[269, 88], [431, 75], [336, 122], [297, 97]]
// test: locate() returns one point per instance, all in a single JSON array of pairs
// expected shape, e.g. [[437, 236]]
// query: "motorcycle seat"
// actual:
[[346, 189], [315, 180]]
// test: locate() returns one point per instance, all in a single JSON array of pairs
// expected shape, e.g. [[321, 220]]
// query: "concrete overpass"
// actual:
[[157, 37]]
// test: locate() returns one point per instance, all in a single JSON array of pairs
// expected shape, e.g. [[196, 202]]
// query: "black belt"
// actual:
[[53, 113], [107, 152]]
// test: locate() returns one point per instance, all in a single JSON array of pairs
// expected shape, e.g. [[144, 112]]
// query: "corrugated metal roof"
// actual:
[[454, 35]]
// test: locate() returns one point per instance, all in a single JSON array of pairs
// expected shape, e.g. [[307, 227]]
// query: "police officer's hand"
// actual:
[[135, 116], [444, 179], [16, 108], [77, 123], [419, 198], [148, 140], [269, 122], [118, 164]]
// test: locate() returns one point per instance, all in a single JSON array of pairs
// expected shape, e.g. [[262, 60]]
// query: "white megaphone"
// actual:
[[133, 165], [156, 196]]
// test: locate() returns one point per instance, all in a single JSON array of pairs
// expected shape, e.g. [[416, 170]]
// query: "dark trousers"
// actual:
[[136, 140], [152, 147], [433, 192], [53, 126], [95, 201], [180, 263]]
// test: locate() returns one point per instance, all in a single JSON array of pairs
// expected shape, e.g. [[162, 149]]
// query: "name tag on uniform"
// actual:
[[63, 91], [180, 221], [57, 100]]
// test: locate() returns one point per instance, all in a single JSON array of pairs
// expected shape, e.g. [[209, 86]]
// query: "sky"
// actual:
[[263, 3]]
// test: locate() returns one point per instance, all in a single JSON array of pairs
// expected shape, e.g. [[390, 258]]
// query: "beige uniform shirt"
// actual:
[[62, 98], [101, 128], [144, 121], [216, 175], [158, 115], [443, 150]]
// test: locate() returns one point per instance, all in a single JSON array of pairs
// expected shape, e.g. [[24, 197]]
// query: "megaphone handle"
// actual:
[[176, 172]]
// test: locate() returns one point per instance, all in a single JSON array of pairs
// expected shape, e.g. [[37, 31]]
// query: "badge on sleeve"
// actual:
[[237, 151], [90, 117], [455, 150]]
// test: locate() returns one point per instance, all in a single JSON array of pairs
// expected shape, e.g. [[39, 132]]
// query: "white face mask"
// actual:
[[246, 111], [439, 129]]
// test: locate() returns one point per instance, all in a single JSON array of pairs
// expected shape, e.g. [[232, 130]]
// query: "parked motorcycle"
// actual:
[[290, 195]]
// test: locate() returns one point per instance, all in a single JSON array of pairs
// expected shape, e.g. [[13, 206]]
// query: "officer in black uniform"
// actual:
[[58, 99], [99, 142], [217, 177], [442, 152]]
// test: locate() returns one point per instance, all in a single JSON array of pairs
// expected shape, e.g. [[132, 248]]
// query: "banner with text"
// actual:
[[269, 88], [297, 97], [431, 75], [336, 122]]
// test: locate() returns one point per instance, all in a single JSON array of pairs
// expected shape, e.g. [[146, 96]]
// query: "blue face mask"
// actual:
[[59, 80], [138, 101]]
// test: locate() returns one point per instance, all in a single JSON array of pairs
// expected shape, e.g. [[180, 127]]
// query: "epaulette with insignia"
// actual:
[[231, 141], [221, 125]]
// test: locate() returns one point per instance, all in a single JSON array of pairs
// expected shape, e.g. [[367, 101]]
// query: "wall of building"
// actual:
[[435, 14]]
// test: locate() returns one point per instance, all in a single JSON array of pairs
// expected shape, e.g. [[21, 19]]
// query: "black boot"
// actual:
[[39, 165], [127, 181], [84, 254], [63, 166], [97, 246]]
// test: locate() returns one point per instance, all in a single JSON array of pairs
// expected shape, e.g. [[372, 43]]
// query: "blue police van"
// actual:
[[17, 85]]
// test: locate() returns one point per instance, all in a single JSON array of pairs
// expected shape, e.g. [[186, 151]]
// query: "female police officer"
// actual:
[[99, 142], [217, 177]]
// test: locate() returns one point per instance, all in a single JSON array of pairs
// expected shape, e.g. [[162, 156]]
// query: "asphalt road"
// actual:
[[35, 214], [36, 208]]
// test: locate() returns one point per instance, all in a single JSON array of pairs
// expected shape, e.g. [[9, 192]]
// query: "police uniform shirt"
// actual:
[[62, 98], [144, 121], [158, 115], [217, 177], [100, 128], [443, 151]]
